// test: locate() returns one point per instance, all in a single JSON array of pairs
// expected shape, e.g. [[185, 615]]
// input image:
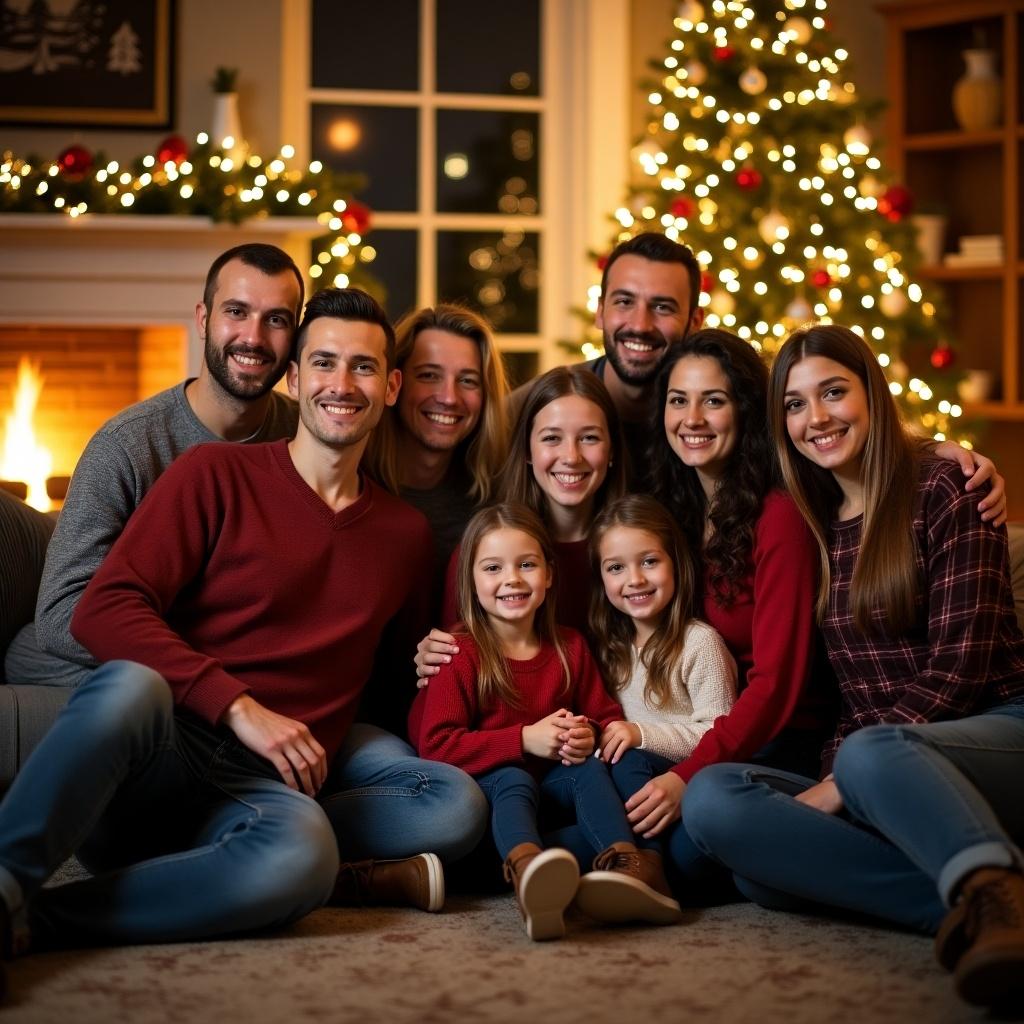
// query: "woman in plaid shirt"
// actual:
[[922, 821]]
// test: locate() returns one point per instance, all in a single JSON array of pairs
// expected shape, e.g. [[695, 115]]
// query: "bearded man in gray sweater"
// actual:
[[247, 318]]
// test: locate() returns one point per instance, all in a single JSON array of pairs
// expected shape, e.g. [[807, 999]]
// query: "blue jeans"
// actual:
[[514, 796], [925, 805], [384, 801]]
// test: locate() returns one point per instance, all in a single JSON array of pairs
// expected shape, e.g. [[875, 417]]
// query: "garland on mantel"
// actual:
[[203, 181]]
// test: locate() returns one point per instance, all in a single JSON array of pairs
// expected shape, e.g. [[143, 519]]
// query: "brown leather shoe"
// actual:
[[545, 882], [991, 969], [628, 884], [951, 938], [413, 882]]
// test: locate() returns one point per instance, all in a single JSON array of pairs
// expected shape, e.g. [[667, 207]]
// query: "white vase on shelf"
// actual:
[[978, 95], [931, 236], [227, 125]]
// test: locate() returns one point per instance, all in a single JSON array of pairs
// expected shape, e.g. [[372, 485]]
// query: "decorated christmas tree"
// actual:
[[757, 154]]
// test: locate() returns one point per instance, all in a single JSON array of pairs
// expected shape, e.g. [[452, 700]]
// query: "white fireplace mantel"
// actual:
[[133, 270]]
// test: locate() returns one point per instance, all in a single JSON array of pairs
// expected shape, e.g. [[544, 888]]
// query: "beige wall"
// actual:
[[233, 33]]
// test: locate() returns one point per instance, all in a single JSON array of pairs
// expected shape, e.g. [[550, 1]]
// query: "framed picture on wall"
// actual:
[[90, 63]]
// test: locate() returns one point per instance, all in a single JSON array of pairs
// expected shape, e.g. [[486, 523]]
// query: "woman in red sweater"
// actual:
[[501, 711]]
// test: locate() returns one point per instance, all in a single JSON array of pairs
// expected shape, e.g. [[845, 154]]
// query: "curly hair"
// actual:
[[750, 473]]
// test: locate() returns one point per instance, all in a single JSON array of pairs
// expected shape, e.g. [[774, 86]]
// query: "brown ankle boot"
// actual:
[[545, 882], [627, 884], [990, 971], [412, 882]]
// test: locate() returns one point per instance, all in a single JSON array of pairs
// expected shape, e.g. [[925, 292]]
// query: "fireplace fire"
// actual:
[[23, 459]]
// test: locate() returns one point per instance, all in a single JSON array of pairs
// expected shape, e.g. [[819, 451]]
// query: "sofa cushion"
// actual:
[[25, 533]]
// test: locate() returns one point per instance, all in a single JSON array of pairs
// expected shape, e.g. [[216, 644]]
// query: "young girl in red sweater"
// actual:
[[520, 708]]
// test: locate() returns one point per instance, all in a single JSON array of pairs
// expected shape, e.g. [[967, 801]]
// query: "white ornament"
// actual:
[[696, 73], [799, 309], [857, 140], [799, 29], [690, 10], [753, 81], [722, 303], [894, 304], [774, 226]]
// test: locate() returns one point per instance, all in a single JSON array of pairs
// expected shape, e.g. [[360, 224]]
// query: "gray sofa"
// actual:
[[27, 711]]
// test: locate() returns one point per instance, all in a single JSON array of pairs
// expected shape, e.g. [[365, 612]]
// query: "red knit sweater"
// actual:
[[448, 723], [233, 576], [769, 629]]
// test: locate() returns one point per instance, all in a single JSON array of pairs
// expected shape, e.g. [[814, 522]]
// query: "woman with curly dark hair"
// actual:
[[714, 467]]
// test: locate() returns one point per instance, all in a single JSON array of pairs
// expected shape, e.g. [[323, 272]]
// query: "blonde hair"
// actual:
[[494, 681], [885, 576], [484, 450], [664, 650]]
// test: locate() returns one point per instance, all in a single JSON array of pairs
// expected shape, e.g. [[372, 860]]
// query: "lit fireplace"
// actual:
[[23, 459]]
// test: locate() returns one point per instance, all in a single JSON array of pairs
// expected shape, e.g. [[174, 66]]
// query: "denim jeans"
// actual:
[[514, 796], [384, 801], [924, 806], [190, 835]]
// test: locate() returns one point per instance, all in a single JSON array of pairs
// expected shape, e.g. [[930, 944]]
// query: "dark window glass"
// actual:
[[520, 367], [493, 271], [395, 267], [487, 162], [489, 48], [365, 45], [379, 142]]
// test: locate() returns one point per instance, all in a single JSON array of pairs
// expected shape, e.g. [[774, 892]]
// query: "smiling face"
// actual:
[[341, 381], [247, 331], [646, 309], [827, 415], [569, 450], [510, 575], [701, 419], [638, 576], [442, 391]]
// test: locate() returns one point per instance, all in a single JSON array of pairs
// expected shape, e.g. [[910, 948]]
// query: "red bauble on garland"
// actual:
[[75, 162], [942, 357], [172, 150], [723, 53], [895, 202], [681, 206], [707, 281], [602, 262], [821, 278], [356, 218], [749, 178]]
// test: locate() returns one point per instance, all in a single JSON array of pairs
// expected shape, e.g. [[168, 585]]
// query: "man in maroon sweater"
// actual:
[[214, 787]]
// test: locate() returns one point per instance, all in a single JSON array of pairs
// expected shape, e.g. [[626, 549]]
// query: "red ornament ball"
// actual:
[[749, 178], [707, 281], [172, 150], [723, 53], [602, 262], [821, 278], [75, 162], [356, 218], [681, 207], [942, 357], [895, 202]]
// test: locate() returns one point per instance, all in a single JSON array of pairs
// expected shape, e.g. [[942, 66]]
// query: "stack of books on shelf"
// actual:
[[976, 251]]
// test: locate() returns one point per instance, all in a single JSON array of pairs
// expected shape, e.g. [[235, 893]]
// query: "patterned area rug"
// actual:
[[473, 963]]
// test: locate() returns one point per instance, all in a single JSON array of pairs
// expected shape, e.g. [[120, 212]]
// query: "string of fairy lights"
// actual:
[[757, 155], [209, 179]]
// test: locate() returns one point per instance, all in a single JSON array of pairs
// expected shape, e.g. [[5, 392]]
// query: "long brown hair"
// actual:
[[483, 451], [494, 681], [885, 577], [517, 480], [663, 651]]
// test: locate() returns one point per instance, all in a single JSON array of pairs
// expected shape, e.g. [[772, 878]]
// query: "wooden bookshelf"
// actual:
[[974, 176]]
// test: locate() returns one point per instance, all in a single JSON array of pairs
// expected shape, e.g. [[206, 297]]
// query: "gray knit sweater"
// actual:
[[119, 465]]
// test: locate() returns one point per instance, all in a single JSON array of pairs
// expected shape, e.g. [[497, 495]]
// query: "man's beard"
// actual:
[[629, 374], [243, 388]]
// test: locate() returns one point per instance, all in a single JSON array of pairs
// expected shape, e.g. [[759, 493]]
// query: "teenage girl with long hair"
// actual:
[[521, 707], [921, 820]]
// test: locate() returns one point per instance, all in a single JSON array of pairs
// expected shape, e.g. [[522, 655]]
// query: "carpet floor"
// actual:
[[473, 963]]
